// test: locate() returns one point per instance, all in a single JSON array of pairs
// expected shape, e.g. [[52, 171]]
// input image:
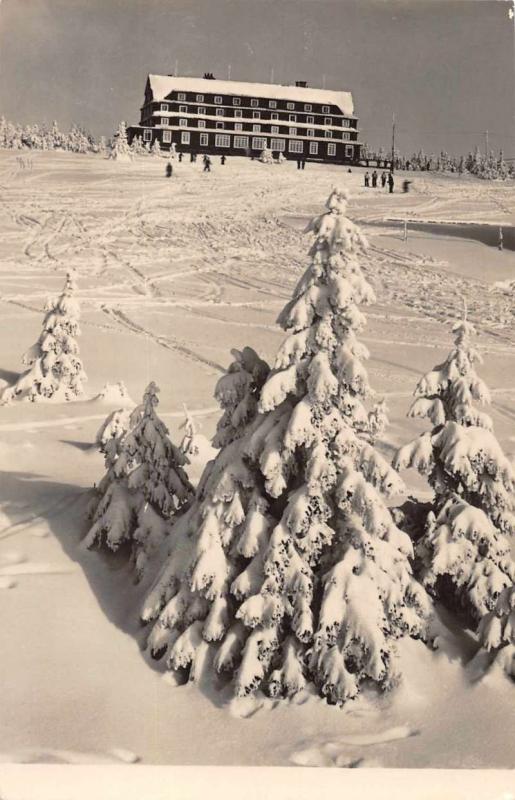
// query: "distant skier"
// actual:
[[169, 169], [383, 179], [374, 179], [207, 163], [180, 157], [367, 179], [193, 157], [391, 183], [223, 160]]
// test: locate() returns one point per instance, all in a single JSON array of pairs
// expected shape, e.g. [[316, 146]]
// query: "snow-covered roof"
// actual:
[[162, 85]]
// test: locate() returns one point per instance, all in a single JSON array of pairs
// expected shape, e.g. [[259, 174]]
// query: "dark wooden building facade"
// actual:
[[205, 115]]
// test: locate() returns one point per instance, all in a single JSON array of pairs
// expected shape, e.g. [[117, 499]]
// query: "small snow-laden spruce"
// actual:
[[55, 369], [299, 573], [120, 149], [188, 444], [464, 549], [145, 485], [193, 590], [497, 631]]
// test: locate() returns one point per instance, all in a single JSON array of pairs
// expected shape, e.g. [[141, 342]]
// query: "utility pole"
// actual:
[[228, 72], [486, 144], [393, 140], [176, 67], [272, 75], [323, 81]]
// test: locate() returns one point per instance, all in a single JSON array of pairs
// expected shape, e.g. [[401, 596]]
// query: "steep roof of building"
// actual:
[[162, 85]]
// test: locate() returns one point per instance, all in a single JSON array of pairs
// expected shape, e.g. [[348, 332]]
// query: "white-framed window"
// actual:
[[183, 109], [219, 112], [275, 129], [183, 123], [200, 98], [254, 103], [236, 101], [241, 141], [328, 134], [238, 113], [274, 116], [222, 140], [331, 149], [204, 139], [218, 100], [290, 106], [293, 131], [278, 144], [328, 120], [313, 148], [256, 115], [219, 125], [308, 107], [201, 123], [310, 120], [292, 118], [258, 143], [256, 129], [311, 132], [181, 96], [147, 135], [346, 135], [272, 104], [296, 146], [185, 137], [349, 151], [346, 123], [167, 136], [202, 110], [165, 121], [326, 109], [163, 107], [238, 126]]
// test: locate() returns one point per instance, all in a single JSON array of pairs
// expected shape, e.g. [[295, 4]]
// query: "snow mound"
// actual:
[[114, 394]]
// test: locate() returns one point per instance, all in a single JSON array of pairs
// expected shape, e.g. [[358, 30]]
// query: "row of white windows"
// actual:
[[258, 143], [183, 123], [238, 113], [236, 101]]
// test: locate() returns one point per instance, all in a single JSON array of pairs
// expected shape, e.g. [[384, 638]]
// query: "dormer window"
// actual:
[[181, 96], [236, 101], [218, 100], [254, 103], [272, 104], [200, 98], [326, 109], [290, 106], [308, 107]]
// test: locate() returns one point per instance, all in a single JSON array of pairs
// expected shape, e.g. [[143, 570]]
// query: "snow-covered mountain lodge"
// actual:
[[205, 115]]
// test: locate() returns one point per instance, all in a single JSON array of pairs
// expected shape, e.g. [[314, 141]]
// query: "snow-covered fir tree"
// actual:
[[289, 562], [189, 426], [145, 484], [120, 149], [155, 150], [137, 147], [464, 550], [55, 369]]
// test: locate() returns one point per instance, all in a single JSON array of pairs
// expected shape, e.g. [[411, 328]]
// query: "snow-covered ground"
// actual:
[[172, 275]]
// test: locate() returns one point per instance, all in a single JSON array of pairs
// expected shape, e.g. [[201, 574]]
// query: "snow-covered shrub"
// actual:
[[145, 484], [266, 156], [464, 550], [497, 631], [289, 562], [55, 369], [155, 150]]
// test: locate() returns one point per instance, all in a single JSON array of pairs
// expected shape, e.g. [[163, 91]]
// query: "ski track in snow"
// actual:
[[335, 752]]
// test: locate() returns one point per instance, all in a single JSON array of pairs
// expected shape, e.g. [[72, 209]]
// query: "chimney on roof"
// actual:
[[302, 84]]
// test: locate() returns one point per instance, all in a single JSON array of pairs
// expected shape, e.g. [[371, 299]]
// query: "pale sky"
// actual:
[[445, 67]]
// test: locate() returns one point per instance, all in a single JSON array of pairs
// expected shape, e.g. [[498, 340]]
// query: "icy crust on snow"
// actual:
[[55, 369], [289, 562], [473, 513], [144, 485]]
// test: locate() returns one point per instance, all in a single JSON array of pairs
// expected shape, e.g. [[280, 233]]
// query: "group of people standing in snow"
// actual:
[[193, 158], [385, 179]]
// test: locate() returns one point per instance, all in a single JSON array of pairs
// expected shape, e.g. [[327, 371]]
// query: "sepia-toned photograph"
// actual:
[[257, 399]]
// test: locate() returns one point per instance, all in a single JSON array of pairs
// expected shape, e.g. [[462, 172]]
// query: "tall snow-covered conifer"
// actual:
[[291, 564], [55, 369], [464, 549], [145, 484]]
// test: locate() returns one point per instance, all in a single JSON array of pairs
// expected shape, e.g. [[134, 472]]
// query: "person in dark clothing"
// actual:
[[169, 170], [222, 160], [302, 163], [390, 183], [367, 179], [383, 179], [207, 163], [180, 157], [405, 186], [193, 157], [298, 163], [374, 179]]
